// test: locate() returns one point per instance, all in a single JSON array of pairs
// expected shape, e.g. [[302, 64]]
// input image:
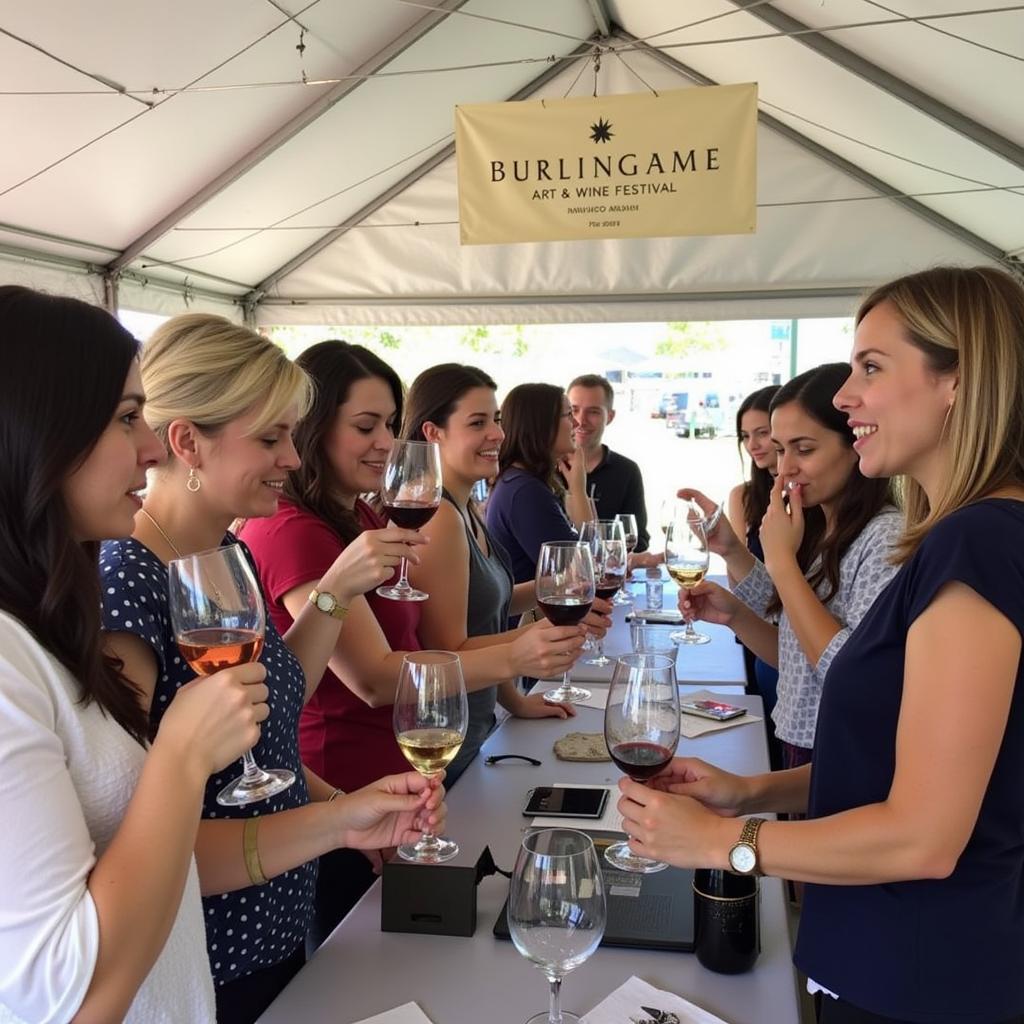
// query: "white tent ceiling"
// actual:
[[190, 154]]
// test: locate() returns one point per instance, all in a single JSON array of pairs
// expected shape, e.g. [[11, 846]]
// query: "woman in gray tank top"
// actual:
[[468, 575]]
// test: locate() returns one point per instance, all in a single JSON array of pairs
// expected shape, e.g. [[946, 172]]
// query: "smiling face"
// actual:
[[756, 438], [591, 413], [358, 444], [102, 493], [564, 432], [811, 455], [470, 440], [896, 404]]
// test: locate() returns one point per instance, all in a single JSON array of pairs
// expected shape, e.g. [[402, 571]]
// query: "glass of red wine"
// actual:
[[219, 619], [565, 592], [411, 494], [608, 548], [632, 536], [641, 728]]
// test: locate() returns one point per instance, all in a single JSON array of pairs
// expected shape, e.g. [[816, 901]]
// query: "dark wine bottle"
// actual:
[[725, 913]]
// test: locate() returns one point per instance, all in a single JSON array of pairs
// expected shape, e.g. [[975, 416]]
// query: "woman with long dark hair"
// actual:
[[529, 504], [345, 730], [101, 918], [827, 537], [913, 850]]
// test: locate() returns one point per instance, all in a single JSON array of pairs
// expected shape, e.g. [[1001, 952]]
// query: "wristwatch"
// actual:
[[327, 603], [743, 855]]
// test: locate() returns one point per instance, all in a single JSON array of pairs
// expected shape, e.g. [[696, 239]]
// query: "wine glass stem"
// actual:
[[403, 582], [251, 771], [555, 1005]]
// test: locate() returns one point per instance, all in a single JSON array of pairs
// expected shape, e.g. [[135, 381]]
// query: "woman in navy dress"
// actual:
[[913, 847]]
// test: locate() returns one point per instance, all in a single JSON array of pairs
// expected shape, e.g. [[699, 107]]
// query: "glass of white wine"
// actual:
[[687, 558], [430, 717]]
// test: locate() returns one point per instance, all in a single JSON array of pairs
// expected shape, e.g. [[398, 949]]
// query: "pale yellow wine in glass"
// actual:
[[686, 558]]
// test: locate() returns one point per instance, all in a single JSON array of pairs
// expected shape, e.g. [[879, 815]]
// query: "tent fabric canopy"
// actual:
[[292, 160]]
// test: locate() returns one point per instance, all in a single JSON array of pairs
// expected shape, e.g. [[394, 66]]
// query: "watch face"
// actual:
[[743, 858], [325, 602]]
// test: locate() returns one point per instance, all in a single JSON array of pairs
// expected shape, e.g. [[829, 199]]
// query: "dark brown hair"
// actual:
[[757, 490], [434, 394], [65, 365], [333, 367], [861, 499], [594, 380], [529, 417]]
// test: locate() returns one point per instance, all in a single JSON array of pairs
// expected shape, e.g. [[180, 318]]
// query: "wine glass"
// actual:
[[565, 592], [430, 718], [411, 494], [632, 538], [556, 907], [608, 549], [219, 619], [641, 728], [686, 558]]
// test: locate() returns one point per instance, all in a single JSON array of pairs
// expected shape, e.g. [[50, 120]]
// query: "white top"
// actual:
[[865, 570], [67, 773]]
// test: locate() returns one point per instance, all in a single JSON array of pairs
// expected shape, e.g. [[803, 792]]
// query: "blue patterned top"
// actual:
[[864, 572], [257, 927]]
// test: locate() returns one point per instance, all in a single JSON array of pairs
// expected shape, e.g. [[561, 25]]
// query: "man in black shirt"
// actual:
[[616, 480]]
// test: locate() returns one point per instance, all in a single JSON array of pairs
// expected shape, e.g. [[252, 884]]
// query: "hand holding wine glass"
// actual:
[[411, 494], [565, 592], [641, 729], [430, 717], [556, 908], [219, 619], [687, 558]]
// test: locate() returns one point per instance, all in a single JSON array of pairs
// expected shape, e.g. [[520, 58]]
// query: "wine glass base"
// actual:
[[435, 851], [544, 1017], [599, 660], [691, 639], [244, 791], [395, 593], [620, 856], [566, 695]]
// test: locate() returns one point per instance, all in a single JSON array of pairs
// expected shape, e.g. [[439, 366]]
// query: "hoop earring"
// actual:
[[193, 483]]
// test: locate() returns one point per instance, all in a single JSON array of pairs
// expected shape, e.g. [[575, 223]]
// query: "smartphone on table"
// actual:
[[714, 709], [565, 802]]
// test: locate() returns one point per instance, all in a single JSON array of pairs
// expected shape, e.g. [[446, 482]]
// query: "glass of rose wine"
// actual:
[[632, 538], [411, 494], [686, 558], [641, 728], [565, 592], [608, 549], [219, 619], [430, 718]]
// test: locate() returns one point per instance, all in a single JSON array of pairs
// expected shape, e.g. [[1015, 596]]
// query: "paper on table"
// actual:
[[610, 821], [636, 1001], [692, 726], [408, 1013]]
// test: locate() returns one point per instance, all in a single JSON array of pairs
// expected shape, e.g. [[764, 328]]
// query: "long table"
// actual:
[[361, 971]]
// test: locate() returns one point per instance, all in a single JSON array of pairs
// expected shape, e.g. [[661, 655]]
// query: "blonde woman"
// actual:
[[913, 850], [224, 402]]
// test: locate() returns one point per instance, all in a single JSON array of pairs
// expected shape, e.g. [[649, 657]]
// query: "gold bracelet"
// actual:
[[251, 852], [336, 793]]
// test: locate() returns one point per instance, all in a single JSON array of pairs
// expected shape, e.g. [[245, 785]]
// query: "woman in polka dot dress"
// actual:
[[224, 401]]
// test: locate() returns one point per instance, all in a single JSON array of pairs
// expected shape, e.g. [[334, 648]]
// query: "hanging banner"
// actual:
[[634, 166]]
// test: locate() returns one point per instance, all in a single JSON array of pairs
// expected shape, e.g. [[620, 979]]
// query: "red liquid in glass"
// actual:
[[640, 761], [410, 515], [564, 611]]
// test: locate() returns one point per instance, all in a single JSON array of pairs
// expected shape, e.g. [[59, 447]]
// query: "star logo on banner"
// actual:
[[602, 131]]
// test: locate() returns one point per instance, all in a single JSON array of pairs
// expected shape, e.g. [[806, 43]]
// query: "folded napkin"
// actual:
[[408, 1013], [691, 726], [636, 1002]]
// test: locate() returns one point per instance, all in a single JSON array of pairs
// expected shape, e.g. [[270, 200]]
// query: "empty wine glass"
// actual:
[[641, 728], [411, 493], [219, 619], [430, 718], [565, 592], [608, 549], [556, 908], [687, 558], [631, 534]]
